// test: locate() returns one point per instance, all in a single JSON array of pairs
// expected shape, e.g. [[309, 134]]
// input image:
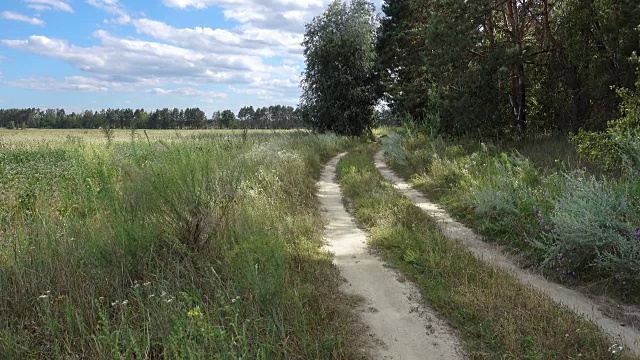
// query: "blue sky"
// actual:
[[94, 54]]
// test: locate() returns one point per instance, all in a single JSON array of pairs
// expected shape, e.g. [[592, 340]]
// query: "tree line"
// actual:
[[272, 117], [472, 67]]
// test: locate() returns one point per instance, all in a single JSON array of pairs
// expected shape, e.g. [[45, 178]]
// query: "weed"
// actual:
[[578, 227], [187, 248], [496, 316]]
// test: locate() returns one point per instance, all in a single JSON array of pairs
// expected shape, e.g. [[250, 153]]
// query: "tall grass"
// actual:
[[201, 247], [496, 316], [580, 226]]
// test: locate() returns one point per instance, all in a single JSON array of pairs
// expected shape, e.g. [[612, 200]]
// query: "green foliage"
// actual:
[[595, 226], [575, 227], [339, 80], [618, 147], [495, 315], [191, 248], [512, 68]]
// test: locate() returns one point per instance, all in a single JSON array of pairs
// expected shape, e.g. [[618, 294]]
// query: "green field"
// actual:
[[182, 245], [193, 244], [54, 136]]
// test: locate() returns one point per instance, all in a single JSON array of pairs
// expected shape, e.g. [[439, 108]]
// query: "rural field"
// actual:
[[176, 247], [186, 244], [344, 179]]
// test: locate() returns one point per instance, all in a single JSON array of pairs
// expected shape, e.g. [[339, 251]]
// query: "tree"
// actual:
[[245, 115], [511, 67], [340, 80], [227, 118]]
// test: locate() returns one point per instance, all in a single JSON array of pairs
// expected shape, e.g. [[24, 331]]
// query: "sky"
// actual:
[[98, 54]]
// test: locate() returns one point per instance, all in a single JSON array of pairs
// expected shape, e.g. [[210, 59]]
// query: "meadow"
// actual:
[[167, 245]]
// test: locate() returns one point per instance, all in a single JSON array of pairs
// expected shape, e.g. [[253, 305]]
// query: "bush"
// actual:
[[618, 147], [575, 226], [595, 229]]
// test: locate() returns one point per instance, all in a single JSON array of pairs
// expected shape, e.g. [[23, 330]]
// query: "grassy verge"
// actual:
[[497, 317], [200, 247], [581, 229]]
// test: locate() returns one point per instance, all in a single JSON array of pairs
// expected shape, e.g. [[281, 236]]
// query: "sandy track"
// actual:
[[490, 254], [402, 327]]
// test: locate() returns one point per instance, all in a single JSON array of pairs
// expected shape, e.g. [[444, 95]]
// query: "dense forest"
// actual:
[[272, 117], [508, 66]]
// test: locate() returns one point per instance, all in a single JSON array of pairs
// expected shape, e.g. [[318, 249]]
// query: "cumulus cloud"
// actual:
[[113, 7], [70, 83], [45, 5], [139, 59], [188, 92], [259, 56], [248, 41], [289, 15], [10, 15]]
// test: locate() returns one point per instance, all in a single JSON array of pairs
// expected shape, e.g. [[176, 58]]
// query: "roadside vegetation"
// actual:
[[201, 246], [496, 316], [575, 221]]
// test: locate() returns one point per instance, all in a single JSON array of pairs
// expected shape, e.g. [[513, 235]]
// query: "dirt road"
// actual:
[[579, 303], [400, 325]]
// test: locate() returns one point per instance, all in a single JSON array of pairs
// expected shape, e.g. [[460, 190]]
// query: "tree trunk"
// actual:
[[518, 82]]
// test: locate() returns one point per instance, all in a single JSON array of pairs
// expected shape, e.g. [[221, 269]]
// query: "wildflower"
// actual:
[[125, 302], [194, 313], [146, 284], [615, 348]]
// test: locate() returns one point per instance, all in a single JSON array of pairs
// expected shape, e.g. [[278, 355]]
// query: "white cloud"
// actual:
[[70, 83], [201, 4], [39, 8], [113, 7], [289, 15], [137, 58], [9, 15], [44, 5], [247, 41], [188, 92], [259, 57]]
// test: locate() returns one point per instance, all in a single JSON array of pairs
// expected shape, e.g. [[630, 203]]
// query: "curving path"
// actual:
[[401, 325], [491, 255]]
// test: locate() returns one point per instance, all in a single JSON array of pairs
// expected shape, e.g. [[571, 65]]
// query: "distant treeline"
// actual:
[[272, 117]]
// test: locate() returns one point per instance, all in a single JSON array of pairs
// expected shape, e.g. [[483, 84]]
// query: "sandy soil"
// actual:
[[627, 335], [400, 325]]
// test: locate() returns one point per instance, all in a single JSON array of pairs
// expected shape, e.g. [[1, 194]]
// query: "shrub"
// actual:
[[594, 230], [618, 146]]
